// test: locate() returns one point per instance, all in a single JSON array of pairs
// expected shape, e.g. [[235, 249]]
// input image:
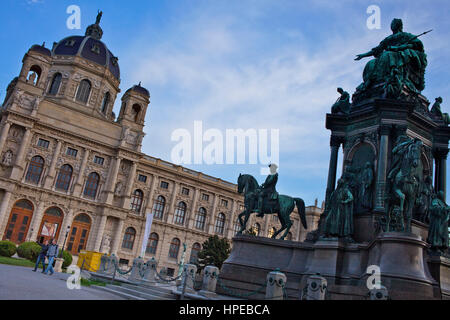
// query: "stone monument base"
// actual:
[[403, 263]]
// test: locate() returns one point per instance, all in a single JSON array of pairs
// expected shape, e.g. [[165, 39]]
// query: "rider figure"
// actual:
[[267, 189]]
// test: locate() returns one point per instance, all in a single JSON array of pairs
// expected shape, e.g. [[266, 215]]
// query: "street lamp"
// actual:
[[65, 238]]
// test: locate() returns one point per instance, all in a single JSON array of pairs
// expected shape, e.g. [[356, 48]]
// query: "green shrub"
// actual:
[[29, 250], [7, 249], [67, 259]]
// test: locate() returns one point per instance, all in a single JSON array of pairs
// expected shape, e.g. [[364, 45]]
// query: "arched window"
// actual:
[[174, 248], [128, 238], [64, 177], [158, 207], [180, 213], [136, 200], [56, 82], [84, 89], [220, 223], [136, 110], [35, 169], [152, 243], [194, 253], [200, 218], [105, 102], [90, 190], [256, 228], [271, 232], [34, 75]]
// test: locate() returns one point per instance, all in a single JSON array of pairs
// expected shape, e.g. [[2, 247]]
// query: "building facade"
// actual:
[[68, 166]]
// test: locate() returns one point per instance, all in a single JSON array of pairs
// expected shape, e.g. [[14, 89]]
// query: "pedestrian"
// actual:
[[41, 256], [52, 253]]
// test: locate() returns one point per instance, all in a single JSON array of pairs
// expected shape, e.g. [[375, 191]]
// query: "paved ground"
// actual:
[[20, 283]]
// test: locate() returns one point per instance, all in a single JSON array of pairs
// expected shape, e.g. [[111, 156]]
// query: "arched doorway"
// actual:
[[51, 224], [19, 221], [79, 233]]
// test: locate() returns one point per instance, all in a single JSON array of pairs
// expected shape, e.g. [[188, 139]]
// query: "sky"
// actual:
[[250, 64]]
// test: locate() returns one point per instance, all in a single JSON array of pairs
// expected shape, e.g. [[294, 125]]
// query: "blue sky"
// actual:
[[237, 64]]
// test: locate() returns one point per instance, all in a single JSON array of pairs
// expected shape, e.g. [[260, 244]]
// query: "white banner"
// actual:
[[148, 227]]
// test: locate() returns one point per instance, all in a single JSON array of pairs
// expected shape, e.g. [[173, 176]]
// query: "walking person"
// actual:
[[41, 256], [52, 253]]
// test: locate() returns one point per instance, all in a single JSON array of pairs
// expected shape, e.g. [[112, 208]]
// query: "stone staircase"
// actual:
[[139, 292]]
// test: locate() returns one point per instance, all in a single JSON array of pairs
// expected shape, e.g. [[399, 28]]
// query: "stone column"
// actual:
[[193, 210], [231, 221], [36, 220], [276, 281], [4, 134], [440, 156], [112, 178], [130, 184], [18, 165], [335, 143], [68, 219], [51, 171], [151, 192], [79, 183], [211, 218], [171, 211], [100, 231], [380, 187], [4, 214], [118, 237]]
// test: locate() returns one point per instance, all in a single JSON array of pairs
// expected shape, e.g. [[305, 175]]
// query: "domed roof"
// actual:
[[41, 49], [137, 88], [89, 47]]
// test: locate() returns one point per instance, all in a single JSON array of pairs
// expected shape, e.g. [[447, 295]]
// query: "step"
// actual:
[[138, 293], [165, 293], [118, 293]]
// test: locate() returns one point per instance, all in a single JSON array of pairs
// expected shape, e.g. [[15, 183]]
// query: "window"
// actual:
[[105, 102], [194, 253], [64, 177], [256, 228], [170, 272], [56, 82], [72, 152], [90, 190], [142, 178], [124, 262], [158, 207], [35, 169], [271, 232], [220, 223], [34, 75], [152, 243], [128, 238], [185, 191], [237, 226], [164, 185], [205, 197], [180, 213], [84, 89], [174, 248], [43, 143], [136, 200], [136, 110], [224, 203], [99, 160], [200, 218]]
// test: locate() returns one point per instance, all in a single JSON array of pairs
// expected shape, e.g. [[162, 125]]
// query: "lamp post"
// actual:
[[65, 239]]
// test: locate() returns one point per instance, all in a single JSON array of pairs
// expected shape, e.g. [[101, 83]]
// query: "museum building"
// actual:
[[71, 170]]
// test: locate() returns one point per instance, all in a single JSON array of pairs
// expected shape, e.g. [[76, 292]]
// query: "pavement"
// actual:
[[21, 283]]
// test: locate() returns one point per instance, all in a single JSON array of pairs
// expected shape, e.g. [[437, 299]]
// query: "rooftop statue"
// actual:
[[265, 200], [399, 64], [342, 105], [99, 17], [437, 112]]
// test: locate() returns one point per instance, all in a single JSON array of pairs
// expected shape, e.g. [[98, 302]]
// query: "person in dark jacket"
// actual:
[[41, 256], [52, 253]]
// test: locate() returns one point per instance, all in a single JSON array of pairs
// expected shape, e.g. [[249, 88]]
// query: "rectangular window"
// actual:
[[142, 178], [72, 152], [164, 185], [225, 203], [205, 197], [99, 160], [170, 272], [185, 191], [124, 262], [43, 143]]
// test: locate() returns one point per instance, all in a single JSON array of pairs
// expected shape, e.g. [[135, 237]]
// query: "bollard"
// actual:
[[379, 293], [187, 284], [111, 264], [58, 264], [210, 275], [276, 281], [103, 263], [150, 271], [135, 274], [316, 288]]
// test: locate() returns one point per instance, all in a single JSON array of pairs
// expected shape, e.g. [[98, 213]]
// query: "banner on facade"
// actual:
[[148, 227]]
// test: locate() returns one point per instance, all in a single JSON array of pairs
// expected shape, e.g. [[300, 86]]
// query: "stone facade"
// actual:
[[62, 148]]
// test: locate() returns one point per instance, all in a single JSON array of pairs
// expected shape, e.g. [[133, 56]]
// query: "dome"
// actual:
[[90, 48], [41, 49], [137, 88]]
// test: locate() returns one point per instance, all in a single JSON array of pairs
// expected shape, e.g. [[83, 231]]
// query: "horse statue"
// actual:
[[283, 206], [403, 182]]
